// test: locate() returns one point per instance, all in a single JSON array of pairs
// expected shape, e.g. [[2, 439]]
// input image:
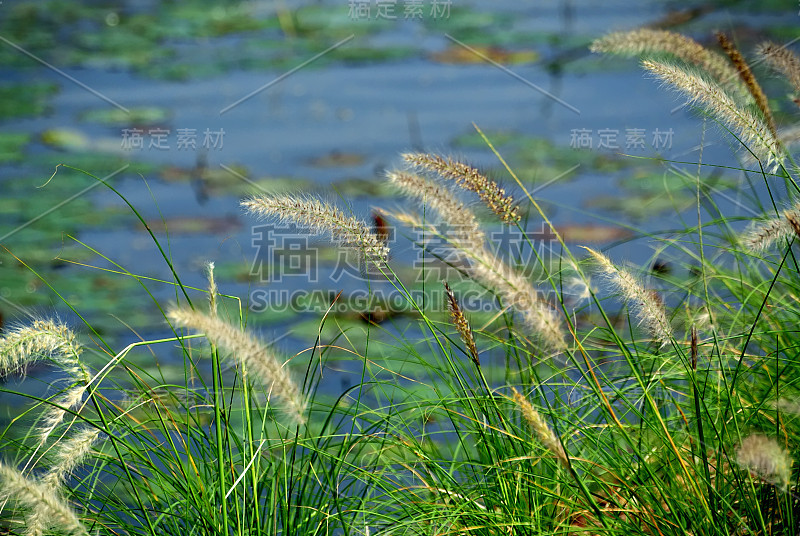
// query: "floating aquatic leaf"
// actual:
[[480, 53], [592, 234], [643, 206], [20, 100], [200, 19], [356, 54], [326, 22], [236, 182], [66, 139], [467, 24], [337, 159], [12, 145], [473, 140], [134, 116], [198, 224], [358, 187], [98, 163]]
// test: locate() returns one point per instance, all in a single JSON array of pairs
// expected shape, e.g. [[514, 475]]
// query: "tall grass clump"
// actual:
[[515, 394]]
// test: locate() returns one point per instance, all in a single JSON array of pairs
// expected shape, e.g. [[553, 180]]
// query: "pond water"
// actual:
[[231, 99]]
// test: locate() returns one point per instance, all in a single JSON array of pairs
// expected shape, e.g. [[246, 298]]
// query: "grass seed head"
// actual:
[[765, 459], [470, 179], [246, 349], [782, 60], [45, 507], [646, 304], [651, 42], [752, 130], [349, 231]]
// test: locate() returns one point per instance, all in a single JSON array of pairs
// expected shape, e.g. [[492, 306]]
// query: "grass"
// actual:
[[626, 401]]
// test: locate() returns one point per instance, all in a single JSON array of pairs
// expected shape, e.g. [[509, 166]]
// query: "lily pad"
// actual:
[[115, 48], [97, 163], [373, 54], [643, 206], [587, 234], [200, 224], [472, 140], [481, 54], [67, 218], [11, 146], [236, 181], [645, 181], [464, 23], [337, 159], [135, 116], [66, 139], [358, 187], [199, 19], [325, 22], [21, 100]]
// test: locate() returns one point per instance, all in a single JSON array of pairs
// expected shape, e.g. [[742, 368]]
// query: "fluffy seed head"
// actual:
[[46, 339], [765, 459], [69, 455], [246, 349], [461, 323], [470, 179], [212, 288], [750, 82], [647, 306], [540, 428], [53, 416], [43, 339], [645, 41], [750, 128], [322, 217], [763, 234], [782, 60], [45, 505]]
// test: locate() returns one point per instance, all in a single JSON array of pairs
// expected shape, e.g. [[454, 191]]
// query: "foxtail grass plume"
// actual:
[[751, 129], [54, 415], [787, 406], [462, 324], [40, 501], [69, 454], [646, 41], [765, 459], [782, 60], [43, 339], [762, 235], [468, 240], [750, 82], [646, 305], [790, 135], [577, 287], [470, 179], [47, 339], [246, 349], [322, 217], [463, 227], [212, 289], [540, 428]]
